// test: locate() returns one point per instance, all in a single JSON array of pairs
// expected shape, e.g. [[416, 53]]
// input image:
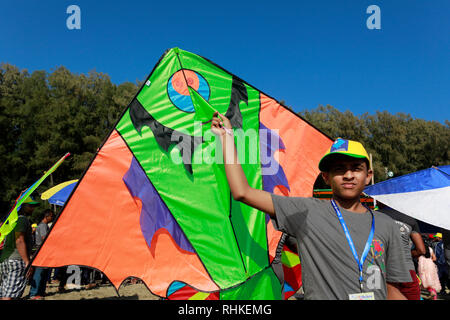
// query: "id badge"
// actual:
[[362, 296]]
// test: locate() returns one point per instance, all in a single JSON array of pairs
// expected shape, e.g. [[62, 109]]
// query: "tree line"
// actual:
[[44, 114], [398, 143]]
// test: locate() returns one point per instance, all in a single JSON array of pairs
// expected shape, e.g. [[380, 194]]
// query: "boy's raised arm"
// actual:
[[240, 189]]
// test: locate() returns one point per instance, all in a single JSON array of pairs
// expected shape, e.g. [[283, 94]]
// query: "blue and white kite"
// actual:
[[423, 195]]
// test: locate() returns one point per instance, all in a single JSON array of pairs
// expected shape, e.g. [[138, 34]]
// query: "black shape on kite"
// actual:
[[165, 136], [238, 94]]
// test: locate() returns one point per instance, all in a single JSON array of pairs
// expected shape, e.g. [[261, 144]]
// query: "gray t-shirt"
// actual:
[[41, 232], [406, 225], [329, 270]]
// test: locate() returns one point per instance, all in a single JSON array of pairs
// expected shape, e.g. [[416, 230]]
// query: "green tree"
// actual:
[[44, 115], [397, 143]]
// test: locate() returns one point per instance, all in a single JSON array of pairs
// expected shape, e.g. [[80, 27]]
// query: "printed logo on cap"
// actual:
[[339, 145]]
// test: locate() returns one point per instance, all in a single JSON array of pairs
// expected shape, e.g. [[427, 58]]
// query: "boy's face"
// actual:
[[347, 177], [28, 209]]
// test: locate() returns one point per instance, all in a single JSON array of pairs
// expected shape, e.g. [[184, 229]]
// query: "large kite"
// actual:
[[155, 204]]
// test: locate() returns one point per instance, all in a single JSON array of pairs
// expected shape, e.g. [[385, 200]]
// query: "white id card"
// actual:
[[362, 296]]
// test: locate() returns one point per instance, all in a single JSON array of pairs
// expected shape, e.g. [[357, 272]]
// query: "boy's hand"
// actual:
[[220, 124]]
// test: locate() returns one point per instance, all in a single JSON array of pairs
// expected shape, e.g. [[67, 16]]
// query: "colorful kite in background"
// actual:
[[58, 194], [11, 220], [155, 203], [292, 269], [423, 195]]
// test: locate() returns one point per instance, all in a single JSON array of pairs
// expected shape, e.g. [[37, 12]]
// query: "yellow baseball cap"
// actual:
[[30, 200], [349, 148]]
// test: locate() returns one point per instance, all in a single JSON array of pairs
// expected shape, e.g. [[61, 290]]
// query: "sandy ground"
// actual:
[[102, 291], [128, 291]]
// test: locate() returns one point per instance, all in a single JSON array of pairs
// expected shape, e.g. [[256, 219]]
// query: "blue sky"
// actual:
[[303, 52]]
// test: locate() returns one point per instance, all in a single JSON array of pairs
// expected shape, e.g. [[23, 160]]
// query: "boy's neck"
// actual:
[[352, 205]]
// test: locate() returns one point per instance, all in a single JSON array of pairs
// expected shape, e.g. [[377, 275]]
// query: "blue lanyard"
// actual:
[[351, 244]]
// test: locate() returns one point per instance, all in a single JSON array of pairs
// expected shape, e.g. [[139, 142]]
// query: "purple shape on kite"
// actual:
[[154, 214], [272, 172]]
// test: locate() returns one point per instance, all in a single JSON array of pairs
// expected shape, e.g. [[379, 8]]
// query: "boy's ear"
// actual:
[[326, 177], [369, 176]]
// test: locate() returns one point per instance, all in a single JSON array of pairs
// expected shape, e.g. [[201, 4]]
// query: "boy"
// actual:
[[347, 251]]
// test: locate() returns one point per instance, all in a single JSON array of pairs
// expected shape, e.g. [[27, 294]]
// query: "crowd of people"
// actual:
[[425, 255], [17, 250], [433, 266]]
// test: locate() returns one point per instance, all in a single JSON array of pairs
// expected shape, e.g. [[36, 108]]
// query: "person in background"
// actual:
[[446, 242], [33, 233], [428, 272], [39, 280], [88, 277], [439, 251], [16, 254], [410, 234]]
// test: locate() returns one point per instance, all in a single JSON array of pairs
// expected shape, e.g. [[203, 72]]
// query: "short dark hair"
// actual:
[[48, 213]]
